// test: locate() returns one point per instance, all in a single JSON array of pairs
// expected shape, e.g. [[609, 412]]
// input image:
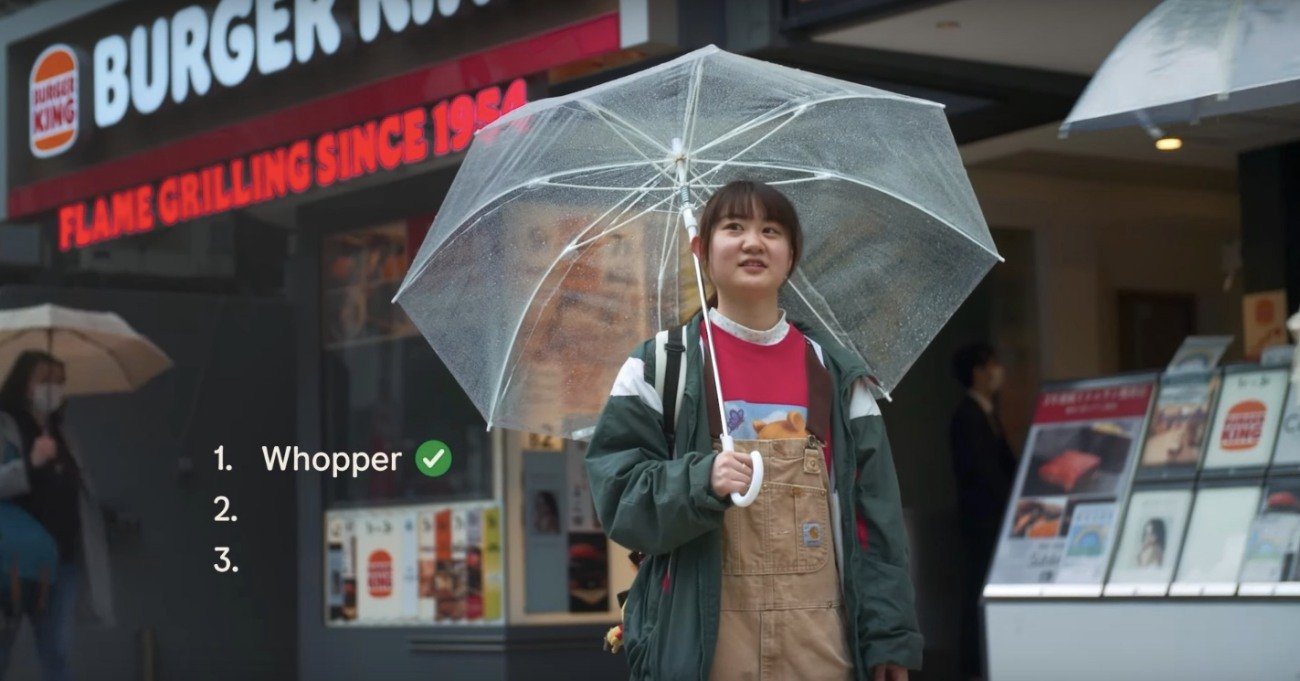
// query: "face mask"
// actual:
[[47, 398]]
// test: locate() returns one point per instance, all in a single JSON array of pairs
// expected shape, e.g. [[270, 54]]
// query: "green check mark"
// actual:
[[433, 458]]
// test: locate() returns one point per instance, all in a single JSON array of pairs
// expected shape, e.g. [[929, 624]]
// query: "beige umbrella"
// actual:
[[103, 354]]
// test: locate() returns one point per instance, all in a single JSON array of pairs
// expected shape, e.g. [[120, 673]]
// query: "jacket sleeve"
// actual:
[[14, 480], [646, 500], [887, 624]]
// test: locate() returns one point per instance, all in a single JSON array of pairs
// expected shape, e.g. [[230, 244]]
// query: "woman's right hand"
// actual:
[[732, 472], [44, 449]]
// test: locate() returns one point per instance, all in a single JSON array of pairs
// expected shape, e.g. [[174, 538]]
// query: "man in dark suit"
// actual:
[[985, 470]]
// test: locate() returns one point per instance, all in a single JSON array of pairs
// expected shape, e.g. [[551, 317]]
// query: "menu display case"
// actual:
[[1205, 530]]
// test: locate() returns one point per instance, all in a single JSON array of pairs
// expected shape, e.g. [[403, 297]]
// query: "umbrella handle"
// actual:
[[755, 482]]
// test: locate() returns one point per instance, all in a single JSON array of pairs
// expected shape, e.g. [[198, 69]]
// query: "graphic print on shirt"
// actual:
[[749, 421]]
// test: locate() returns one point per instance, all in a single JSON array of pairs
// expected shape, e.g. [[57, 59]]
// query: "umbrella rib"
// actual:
[[784, 111], [566, 185], [775, 129], [643, 189], [573, 246], [113, 355], [20, 333], [502, 382], [493, 201], [692, 102], [831, 175], [669, 229], [610, 118]]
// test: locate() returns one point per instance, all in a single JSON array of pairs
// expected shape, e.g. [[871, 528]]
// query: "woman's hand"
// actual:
[[888, 672], [44, 449], [732, 472]]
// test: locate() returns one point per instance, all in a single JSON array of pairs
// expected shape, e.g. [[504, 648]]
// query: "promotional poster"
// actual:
[[1273, 547], [1216, 541], [1150, 542], [1179, 426], [1247, 420], [1078, 460]]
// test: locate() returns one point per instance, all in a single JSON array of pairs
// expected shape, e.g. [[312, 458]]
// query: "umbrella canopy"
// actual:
[[1192, 59], [561, 245], [103, 354]]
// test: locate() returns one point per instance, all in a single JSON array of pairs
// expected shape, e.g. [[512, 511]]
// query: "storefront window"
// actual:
[[385, 388]]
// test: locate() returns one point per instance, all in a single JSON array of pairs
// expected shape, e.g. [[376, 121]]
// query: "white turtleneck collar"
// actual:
[[772, 336]]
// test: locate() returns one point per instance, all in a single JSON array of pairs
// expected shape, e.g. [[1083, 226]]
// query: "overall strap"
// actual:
[[710, 396], [819, 395]]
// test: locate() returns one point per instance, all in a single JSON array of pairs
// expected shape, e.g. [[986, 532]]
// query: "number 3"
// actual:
[[225, 558]]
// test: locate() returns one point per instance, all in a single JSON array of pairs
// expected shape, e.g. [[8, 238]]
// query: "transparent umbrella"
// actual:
[[1193, 59], [564, 238]]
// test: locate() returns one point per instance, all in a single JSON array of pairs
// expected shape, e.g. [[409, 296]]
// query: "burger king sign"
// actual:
[[53, 102]]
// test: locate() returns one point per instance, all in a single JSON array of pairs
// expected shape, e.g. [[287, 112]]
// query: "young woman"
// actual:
[[811, 581], [49, 483]]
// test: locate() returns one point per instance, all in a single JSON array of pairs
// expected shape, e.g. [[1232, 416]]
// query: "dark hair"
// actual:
[[1157, 526], [548, 500], [740, 199], [969, 358], [13, 392]]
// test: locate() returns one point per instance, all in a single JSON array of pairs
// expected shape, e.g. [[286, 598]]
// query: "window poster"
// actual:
[[340, 567], [414, 565], [473, 564], [379, 550], [1148, 547], [492, 573], [588, 572], [1216, 541], [1060, 529], [546, 545], [1199, 354], [1246, 422], [426, 542], [408, 564], [1286, 453], [1271, 565], [1179, 426]]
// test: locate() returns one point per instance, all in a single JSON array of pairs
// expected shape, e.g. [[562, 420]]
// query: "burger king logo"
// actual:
[[379, 574], [52, 95], [1244, 426]]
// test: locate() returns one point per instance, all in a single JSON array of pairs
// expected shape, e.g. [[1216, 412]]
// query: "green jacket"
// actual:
[[663, 506]]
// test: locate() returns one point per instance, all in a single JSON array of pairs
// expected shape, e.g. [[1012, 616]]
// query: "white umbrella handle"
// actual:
[[755, 482]]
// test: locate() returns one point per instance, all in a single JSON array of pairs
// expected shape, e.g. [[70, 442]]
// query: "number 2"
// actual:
[[221, 515]]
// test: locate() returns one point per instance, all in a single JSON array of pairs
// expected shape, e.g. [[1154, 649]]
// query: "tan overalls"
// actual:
[[782, 618]]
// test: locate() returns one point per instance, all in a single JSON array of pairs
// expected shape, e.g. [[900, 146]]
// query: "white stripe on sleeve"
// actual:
[[862, 403], [631, 383]]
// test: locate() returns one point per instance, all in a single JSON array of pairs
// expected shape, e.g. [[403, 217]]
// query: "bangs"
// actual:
[[753, 200]]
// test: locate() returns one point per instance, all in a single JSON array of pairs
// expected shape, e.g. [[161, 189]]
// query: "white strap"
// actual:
[[661, 358]]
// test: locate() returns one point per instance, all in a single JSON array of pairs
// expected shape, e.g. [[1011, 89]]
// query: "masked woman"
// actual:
[[48, 481]]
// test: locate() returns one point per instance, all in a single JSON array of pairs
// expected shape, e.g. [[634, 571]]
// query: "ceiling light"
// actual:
[[1169, 144]]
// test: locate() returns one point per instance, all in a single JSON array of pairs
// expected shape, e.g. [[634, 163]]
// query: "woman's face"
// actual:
[[45, 387], [42, 374], [749, 258]]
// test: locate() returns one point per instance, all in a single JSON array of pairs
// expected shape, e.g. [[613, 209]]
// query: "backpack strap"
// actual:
[[670, 377]]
